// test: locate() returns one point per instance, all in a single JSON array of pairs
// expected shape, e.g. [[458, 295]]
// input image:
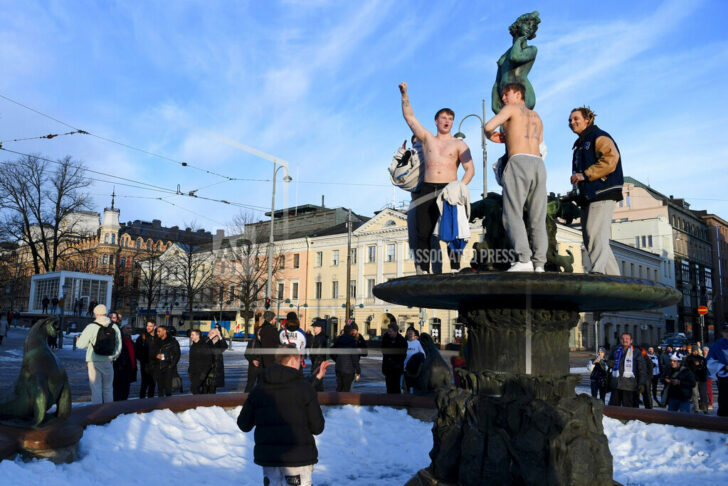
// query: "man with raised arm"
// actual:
[[442, 153], [524, 178]]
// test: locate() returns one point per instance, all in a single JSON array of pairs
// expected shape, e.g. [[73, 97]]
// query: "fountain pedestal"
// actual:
[[516, 418]]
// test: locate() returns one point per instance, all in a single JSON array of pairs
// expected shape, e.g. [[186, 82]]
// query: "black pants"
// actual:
[[147, 386], [624, 398], [655, 380], [344, 381], [121, 390], [164, 382], [722, 396], [253, 373], [427, 214], [393, 380], [646, 397], [598, 391]]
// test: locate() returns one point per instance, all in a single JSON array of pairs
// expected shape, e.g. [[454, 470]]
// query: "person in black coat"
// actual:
[[680, 382], [285, 412], [166, 359], [394, 350], [202, 362], [347, 361], [699, 366], [317, 349], [255, 364], [218, 347], [269, 340], [125, 367], [145, 352]]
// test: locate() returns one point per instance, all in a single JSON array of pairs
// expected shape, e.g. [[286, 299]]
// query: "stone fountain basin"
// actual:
[[567, 291]]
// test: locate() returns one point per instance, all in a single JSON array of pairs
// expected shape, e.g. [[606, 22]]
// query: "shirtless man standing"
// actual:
[[442, 153], [524, 178]]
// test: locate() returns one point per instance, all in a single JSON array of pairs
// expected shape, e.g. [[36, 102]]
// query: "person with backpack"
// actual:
[[102, 341], [413, 360]]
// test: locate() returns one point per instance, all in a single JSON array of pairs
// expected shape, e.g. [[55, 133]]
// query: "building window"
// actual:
[[636, 241], [644, 241], [294, 290], [335, 258], [122, 261], [371, 254], [335, 289], [319, 290], [139, 244], [621, 204], [353, 256], [319, 258], [628, 203], [649, 241], [106, 238], [283, 261], [370, 287], [296, 260], [352, 289], [106, 259], [281, 288], [390, 252], [149, 245]]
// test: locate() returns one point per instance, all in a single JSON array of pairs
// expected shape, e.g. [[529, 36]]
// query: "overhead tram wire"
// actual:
[[151, 187], [169, 159], [49, 136], [122, 144]]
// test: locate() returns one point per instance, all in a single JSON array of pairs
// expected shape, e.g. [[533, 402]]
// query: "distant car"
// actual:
[[675, 340]]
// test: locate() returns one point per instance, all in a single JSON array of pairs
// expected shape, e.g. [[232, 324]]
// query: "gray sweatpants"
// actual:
[[524, 183], [596, 229]]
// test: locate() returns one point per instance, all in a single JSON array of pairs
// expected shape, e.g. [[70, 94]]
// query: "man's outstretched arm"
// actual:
[[409, 114]]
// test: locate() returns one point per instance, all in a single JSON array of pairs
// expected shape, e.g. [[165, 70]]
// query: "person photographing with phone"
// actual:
[[285, 412]]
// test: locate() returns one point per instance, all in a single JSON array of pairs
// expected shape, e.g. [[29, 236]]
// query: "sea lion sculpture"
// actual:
[[42, 382], [435, 373]]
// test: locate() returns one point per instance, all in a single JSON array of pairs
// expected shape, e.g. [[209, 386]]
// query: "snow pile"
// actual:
[[360, 445], [648, 454]]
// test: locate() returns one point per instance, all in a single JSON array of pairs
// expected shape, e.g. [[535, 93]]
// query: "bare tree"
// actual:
[[152, 273], [192, 269], [36, 201], [247, 253]]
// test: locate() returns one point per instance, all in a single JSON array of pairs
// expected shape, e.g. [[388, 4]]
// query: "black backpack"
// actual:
[[105, 340]]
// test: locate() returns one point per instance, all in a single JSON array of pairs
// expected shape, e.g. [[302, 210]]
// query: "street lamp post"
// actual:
[[461, 136], [66, 287], [287, 178]]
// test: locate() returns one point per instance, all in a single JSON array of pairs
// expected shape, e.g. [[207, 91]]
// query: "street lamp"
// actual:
[[65, 289], [461, 136], [286, 178]]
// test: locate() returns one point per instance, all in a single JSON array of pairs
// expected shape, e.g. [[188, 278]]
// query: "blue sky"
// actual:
[[315, 83]]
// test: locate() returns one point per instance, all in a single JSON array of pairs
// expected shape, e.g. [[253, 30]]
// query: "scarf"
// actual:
[[628, 368]]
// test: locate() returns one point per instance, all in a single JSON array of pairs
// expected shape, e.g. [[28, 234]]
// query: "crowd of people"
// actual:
[[678, 379]]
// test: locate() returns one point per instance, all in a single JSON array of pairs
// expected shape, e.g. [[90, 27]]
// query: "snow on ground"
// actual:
[[360, 445], [652, 454]]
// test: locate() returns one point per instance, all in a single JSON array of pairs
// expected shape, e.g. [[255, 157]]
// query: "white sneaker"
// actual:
[[521, 267], [538, 269]]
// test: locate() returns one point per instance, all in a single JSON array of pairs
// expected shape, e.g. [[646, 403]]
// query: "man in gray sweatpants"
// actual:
[[524, 178]]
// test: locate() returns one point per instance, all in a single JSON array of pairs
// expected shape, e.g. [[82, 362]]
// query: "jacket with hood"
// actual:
[[87, 339], [285, 412]]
